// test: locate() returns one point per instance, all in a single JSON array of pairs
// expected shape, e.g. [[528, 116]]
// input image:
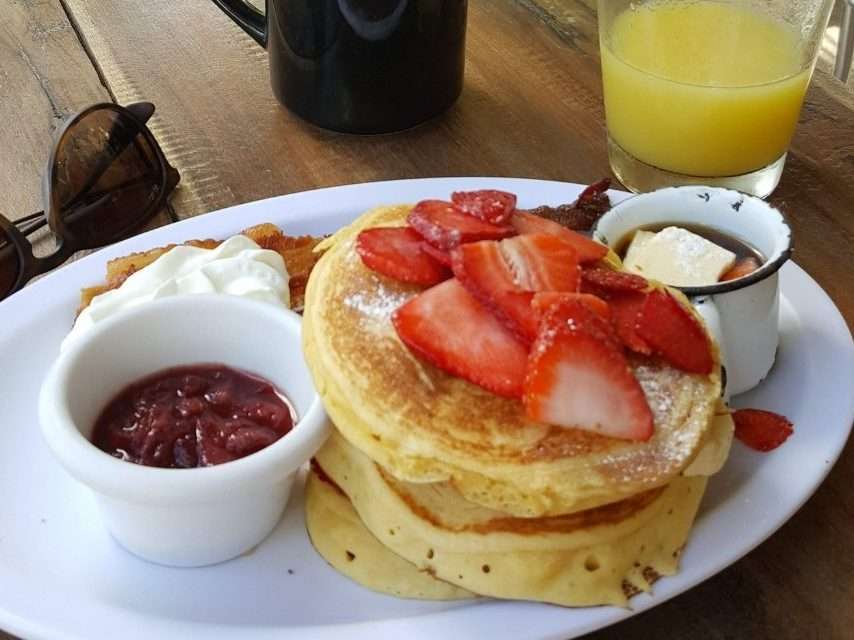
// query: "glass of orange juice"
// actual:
[[705, 91]]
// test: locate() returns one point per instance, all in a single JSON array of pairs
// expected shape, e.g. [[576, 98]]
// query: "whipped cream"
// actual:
[[237, 267]]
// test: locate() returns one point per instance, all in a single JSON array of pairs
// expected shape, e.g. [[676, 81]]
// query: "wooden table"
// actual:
[[532, 106]]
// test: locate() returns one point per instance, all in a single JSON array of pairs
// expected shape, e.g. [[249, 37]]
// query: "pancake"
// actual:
[[424, 425], [343, 541], [716, 445], [595, 557]]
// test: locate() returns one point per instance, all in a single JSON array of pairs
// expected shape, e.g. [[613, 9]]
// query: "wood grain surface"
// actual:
[[531, 107], [45, 76]]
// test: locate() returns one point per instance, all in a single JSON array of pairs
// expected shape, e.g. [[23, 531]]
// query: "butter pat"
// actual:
[[677, 257], [635, 250]]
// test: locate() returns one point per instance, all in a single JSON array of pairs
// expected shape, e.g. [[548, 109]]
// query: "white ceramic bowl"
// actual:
[[183, 517]]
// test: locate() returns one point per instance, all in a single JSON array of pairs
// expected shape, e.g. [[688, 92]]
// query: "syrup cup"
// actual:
[[742, 314], [183, 517]]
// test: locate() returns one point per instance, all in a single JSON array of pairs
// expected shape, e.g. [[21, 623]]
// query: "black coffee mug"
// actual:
[[360, 66]]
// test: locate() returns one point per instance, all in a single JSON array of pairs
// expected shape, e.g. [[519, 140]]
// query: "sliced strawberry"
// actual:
[[625, 309], [449, 328], [575, 379], [575, 315], [741, 268], [396, 252], [542, 262], [488, 204], [513, 309], [674, 333], [612, 280], [440, 256], [445, 226], [482, 270], [588, 250], [761, 430], [546, 299]]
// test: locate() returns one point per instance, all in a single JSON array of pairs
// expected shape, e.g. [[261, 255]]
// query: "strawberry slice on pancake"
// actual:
[[674, 333], [489, 205], [482, 270], [397, 252], [543, 301], [542, 262], [578, 377], [588, 250], [610, 280], [445, 226], [449, 328]]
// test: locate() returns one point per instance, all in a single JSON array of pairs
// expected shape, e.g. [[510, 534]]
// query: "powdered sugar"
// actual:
[[687, 247], [658, 391], [678, 257], [378, 304], [673, 443]]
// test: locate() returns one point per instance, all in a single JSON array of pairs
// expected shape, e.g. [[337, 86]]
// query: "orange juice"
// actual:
[[703, 89]]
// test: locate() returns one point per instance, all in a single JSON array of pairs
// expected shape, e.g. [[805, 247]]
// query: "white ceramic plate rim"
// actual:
[[744, 493]]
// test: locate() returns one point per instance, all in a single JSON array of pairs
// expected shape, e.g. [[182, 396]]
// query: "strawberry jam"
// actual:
[[193, 416]]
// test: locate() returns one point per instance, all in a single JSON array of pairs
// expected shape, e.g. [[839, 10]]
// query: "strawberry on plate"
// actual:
[[449, 328], [397, 252], [674, 333], [445, 226], [588, 250], [577, 379], [761, 430], [489, 205], [542, 262], [483, 271]]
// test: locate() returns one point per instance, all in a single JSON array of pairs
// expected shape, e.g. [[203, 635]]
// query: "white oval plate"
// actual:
[[62, 576]]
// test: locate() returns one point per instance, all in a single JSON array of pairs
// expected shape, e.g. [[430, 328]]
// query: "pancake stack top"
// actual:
[[479, 475]]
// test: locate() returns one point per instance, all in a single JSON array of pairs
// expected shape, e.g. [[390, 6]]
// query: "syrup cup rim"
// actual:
[[725, 201]]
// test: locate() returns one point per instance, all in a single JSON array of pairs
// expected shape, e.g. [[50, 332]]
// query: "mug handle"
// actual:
[[708, 310], [250, 19]]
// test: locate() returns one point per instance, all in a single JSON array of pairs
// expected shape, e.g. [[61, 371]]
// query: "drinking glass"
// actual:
[[705, 91]]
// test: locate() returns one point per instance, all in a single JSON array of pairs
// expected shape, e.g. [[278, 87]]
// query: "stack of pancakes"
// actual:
[[432, 487]]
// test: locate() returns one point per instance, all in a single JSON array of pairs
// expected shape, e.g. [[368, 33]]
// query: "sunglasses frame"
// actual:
[[31, 265]]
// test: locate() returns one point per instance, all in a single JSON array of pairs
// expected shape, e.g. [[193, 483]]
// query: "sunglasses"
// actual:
[[105, 178]]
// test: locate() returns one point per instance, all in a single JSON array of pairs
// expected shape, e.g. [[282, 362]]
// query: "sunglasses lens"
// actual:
[[106, 179], [10, 264]]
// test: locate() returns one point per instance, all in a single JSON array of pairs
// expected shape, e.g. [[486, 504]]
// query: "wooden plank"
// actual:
[[44, 76], [221, 126]]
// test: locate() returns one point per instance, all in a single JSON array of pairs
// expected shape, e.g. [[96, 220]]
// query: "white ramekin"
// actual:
[[183, 517], [743, 314]]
